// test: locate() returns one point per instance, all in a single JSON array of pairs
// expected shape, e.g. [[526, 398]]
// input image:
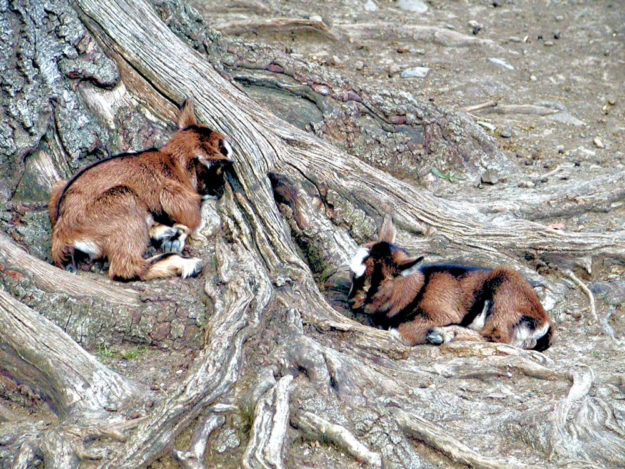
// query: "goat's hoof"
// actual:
[[172, 245], [435, 337]]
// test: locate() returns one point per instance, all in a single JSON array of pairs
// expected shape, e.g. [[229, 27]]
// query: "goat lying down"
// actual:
[[439, 303], [108, 209]]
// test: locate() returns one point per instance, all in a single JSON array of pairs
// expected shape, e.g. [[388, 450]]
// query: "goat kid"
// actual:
[[109, 209], [440, 303]]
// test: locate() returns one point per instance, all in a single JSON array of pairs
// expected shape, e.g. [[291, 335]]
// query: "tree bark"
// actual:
[[280, 364]]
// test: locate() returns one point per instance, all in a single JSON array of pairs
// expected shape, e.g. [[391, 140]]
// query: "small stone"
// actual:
[[316, 18], [598, 143], [515, 39], [611, 100], [548, 43], [500, 62], [475, 24], [490, 177], [370, 5], [416, 6], [360, 65], [559, 18], [526, 184], [533, 78], [415, 72], [506, 133]]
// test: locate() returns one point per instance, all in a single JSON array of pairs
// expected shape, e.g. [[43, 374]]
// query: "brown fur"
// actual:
[[108, 206], [418, 303]]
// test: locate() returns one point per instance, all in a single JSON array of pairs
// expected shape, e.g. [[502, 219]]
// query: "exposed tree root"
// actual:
[[271, 417], [193, 458], [55, 279], [439, 439], [277, 24], [587, 292], [318, 428]]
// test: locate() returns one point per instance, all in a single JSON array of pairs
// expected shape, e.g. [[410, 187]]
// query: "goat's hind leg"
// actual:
[[170, 264]]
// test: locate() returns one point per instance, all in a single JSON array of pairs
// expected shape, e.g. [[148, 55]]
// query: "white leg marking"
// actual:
[[161, 232], [480, 319], [88, 247], [357, 264]]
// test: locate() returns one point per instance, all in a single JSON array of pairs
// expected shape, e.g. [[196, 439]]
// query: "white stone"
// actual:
[[416, 6], [415, 72]]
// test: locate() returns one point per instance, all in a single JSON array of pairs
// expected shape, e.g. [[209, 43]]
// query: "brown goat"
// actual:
[[439, 303], [108, 209]]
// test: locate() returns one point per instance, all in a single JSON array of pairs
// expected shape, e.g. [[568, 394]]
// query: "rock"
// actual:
[[415, 72], [370, 5], [500, 62], [506, 133], [565, 118], [416, 6], [489, 177], [598, 143], [548, 43]]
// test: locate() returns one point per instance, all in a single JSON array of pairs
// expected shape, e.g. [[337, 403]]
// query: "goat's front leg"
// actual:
[[169, 238], [444, 334]]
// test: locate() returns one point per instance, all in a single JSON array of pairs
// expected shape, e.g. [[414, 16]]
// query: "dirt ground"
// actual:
[[544, 78]]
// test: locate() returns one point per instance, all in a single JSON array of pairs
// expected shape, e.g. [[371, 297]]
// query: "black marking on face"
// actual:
[[529, 322], [204, 133], [544, 342]]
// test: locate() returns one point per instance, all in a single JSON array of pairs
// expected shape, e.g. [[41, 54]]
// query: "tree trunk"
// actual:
[[280, 365]]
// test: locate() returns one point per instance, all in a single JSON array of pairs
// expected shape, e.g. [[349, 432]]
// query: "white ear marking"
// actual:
[[227, 147], [357, 264], [410, 270]]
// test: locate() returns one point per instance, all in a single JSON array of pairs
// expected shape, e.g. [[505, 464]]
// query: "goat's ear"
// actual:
[[187, 114], [408, 266], [387, 230]]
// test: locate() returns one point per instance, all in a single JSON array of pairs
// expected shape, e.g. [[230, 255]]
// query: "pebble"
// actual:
[[515, 39], [393, 69], [316, 18], [415, 72], [489, 177], [548, 43], [598, 143], [533, 78], [360, 65], [526, 184], [611, 100], [370, 5], [506, 133], [416, 6], [500, 62]]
